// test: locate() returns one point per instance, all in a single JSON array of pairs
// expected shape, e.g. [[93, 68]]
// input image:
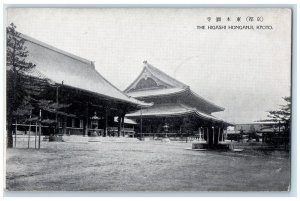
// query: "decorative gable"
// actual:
[[147, 81], [153, 78]]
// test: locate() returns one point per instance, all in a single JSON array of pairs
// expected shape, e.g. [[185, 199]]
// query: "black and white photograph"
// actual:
[[148, 99]]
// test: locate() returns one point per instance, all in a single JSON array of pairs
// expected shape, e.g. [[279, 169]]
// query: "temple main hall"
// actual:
[[176, 108], [95, 106]]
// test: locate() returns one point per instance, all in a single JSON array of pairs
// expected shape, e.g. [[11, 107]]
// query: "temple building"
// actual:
[[176, 107], [96, 106]]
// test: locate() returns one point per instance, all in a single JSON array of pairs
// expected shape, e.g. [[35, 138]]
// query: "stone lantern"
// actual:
[[94, 124], [166, 129]]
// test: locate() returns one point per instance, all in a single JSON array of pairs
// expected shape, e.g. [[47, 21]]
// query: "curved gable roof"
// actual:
[[174, 87]]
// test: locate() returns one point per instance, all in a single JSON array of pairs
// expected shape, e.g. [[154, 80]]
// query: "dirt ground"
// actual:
[[142, 166]]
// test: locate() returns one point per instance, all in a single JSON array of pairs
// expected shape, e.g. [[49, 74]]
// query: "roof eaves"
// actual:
[[159, 95], [201, 114], [162, 114], [207, 101], [139, 103]]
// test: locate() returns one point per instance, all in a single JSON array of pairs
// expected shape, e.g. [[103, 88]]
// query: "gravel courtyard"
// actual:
[[141, 166]]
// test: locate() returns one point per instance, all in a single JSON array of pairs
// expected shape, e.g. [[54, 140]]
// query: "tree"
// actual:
[[283, 115], [281, 119], [16, 68], [53, 108], [27, 88]]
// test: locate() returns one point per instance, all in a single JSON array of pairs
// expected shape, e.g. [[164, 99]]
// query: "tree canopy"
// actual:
[[26, 92], [281, 116], [16, 68]]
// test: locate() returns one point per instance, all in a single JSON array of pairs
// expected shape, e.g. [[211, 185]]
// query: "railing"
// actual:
[[71, 131], [170, 135], [158, 134]]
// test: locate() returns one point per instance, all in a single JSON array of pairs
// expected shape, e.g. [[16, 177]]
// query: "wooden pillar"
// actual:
[[86, 126], [141, 124], [213, 133], [56, 114], [29, 130], [207, 135], [222, 131], [86, 121], [122, 126], [219, 133], [105, 122], [35, 134], [119, 125], [64, 125], [40, 129], [16, 133]]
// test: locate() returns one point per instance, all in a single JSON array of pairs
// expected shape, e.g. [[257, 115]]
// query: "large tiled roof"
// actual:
[[173, 87], [58, 65]]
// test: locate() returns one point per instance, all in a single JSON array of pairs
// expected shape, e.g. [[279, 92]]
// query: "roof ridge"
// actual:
[[55, 49]]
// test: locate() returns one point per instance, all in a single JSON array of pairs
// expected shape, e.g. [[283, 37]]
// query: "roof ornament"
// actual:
[[145, 63]]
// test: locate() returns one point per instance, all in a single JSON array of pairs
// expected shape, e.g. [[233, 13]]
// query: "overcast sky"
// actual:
[[245, 71]]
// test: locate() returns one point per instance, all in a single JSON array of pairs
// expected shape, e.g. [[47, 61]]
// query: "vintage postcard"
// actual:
[[148, 99]]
